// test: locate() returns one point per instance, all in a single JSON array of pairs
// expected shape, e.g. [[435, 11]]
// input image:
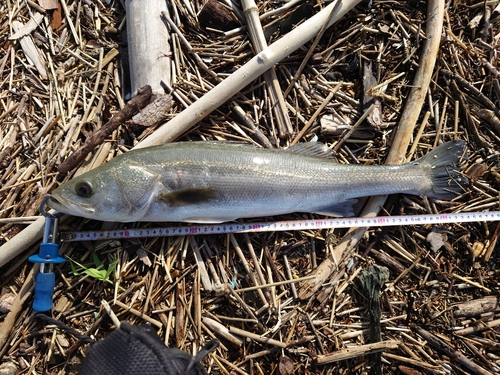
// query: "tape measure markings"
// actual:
[[276, 226]]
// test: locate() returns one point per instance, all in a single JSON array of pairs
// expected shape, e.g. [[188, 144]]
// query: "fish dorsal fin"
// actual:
[[188, 196], [311, 149], [228, 142]]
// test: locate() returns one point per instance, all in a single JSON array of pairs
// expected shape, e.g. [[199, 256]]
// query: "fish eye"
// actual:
[[84, 189]]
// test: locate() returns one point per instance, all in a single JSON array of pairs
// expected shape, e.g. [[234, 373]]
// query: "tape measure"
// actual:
[[275, 226]]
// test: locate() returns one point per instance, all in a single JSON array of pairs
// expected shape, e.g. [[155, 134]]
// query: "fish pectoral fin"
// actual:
[[340, 209], [189, 196]]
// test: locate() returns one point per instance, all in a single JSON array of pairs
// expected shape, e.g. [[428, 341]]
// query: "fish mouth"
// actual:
[[67, 206]]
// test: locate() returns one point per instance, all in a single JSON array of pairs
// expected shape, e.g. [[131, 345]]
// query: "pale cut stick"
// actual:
[[148, 44]]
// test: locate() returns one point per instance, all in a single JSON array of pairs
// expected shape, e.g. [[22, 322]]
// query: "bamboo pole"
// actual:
[[21, 241]]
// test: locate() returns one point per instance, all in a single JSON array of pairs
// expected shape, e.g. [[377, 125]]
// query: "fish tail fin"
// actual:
[[447, 181]]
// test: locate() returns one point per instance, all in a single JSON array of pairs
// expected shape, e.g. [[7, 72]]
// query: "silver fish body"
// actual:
[[210, 182]]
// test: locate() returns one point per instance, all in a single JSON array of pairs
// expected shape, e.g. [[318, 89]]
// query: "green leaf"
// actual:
[[73, 268], [96, 274], [111, 269], [96, 259]]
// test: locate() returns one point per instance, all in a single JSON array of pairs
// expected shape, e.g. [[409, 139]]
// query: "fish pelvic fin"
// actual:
[[443, 164], [189, 196]]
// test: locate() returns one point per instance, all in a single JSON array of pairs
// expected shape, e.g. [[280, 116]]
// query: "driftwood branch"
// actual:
[[356, 351], [455, 355], [133, 106]]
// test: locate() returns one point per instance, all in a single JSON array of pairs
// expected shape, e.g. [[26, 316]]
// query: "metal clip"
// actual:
[[47, 214]]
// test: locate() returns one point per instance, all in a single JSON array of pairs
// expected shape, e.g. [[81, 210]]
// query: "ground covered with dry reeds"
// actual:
[[311, 301]]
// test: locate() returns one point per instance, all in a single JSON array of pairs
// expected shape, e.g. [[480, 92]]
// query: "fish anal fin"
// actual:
[[339, 209], [189, 196], [208, 220]]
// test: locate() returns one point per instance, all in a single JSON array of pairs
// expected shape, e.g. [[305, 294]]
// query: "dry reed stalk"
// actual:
[[257, 37]]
